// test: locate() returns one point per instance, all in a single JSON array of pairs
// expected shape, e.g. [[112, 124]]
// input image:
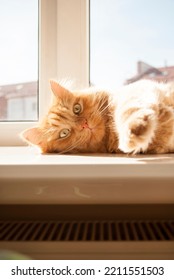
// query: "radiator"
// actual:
[[107, 239]]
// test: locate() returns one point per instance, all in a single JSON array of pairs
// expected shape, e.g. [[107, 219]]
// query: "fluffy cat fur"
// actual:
[[138, 118]]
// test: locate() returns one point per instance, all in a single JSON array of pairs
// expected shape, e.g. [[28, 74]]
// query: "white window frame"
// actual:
[[63, 53]]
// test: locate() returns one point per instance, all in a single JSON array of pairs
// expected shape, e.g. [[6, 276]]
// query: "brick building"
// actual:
[[18, 101], [146, 71]]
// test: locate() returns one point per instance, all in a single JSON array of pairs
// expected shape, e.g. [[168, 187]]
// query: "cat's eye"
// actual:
[[77, 108], [64, 133]]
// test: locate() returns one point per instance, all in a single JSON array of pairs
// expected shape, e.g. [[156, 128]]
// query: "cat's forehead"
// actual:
[[59, 120], [63, 108], [61, 115], [66, 106], [67, 101]]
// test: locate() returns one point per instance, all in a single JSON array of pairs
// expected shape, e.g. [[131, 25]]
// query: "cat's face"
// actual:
[[76, 122]]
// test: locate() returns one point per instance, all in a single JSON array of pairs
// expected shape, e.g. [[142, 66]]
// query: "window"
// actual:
[[19, 60], [131, 40], [33, 50], [63, 53]]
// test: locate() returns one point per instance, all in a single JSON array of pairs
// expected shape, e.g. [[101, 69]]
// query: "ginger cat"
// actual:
[[138, 118]]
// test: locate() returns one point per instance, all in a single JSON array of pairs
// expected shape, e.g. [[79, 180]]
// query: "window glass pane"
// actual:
[[130, 40], [18, 60]]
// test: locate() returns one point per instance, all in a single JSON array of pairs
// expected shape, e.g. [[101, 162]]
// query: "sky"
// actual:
[[123, 32], [18, 41]]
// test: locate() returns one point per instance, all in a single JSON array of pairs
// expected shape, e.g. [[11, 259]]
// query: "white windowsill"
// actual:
[[27, 162], [101, 178]]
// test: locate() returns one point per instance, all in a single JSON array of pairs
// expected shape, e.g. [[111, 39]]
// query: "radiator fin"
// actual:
[[87, 231]]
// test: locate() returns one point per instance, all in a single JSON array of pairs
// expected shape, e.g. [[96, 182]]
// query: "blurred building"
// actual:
[[18, 101], [146, 71]]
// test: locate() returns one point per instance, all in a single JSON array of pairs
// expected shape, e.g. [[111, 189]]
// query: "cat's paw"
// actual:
[[138, 131]]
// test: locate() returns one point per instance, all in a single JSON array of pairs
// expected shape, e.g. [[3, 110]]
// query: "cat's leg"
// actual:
[[136, 129]]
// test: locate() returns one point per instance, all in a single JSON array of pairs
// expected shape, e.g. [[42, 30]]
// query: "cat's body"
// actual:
[[137, 118], [144, 117]]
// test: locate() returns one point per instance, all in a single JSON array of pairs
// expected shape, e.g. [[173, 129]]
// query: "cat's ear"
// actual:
[[32, 135], [58, 90]]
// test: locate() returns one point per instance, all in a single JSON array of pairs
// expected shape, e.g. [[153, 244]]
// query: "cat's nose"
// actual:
[[85, 124]]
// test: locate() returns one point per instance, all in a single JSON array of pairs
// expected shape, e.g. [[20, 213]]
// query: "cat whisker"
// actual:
[[101, 105], [106, 107], [71, 147]]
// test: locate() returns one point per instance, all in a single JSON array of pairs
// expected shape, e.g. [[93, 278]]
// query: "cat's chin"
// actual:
[[92, 141]]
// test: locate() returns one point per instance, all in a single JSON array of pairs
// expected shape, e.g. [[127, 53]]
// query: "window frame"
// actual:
[[63, 32]]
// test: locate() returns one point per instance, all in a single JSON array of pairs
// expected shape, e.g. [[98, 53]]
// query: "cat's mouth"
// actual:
[[85, 125], [92, 131]]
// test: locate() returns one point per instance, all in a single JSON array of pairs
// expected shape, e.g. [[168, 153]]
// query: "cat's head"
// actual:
[[75, 122]]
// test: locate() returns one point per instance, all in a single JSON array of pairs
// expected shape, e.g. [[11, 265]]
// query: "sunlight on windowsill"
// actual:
[[19, 162], [31, 155]]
